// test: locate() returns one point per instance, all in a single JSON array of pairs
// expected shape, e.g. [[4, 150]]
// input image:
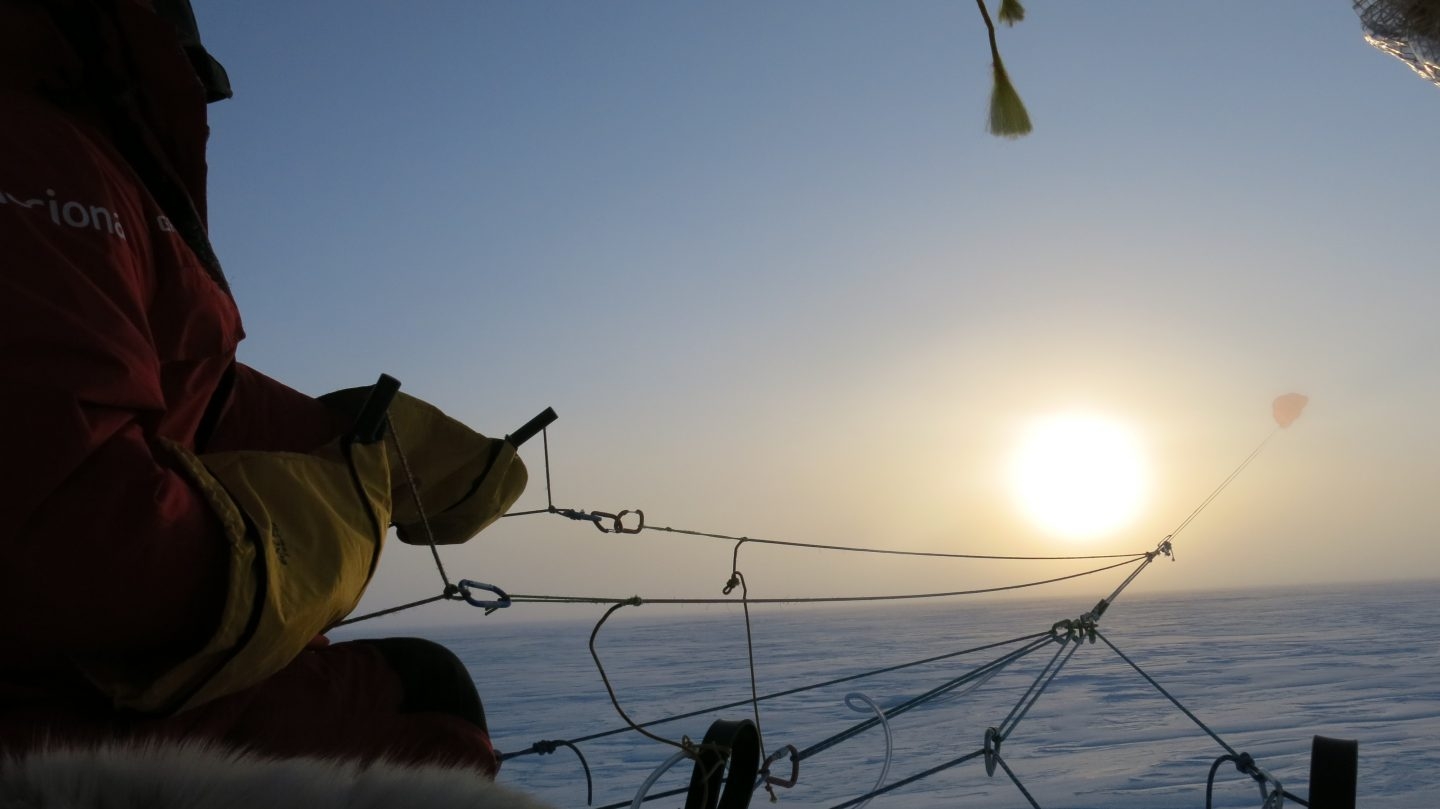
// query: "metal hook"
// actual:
[[489, 606]]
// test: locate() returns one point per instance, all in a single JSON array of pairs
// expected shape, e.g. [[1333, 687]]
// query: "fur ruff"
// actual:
[[172, 776]]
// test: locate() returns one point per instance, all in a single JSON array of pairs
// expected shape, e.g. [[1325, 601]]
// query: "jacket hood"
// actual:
[[123, 68]]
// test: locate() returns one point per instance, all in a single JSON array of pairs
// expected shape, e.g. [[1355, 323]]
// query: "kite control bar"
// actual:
[[370, 424]]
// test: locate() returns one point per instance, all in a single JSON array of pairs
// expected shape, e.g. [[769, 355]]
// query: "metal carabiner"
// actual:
[[794, 767], [489, 606], [617, 522]]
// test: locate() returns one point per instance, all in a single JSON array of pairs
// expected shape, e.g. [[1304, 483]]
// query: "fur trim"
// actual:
[[192, 776]]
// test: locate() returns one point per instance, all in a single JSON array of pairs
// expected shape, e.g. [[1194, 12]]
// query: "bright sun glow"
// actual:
[[1079, 476]]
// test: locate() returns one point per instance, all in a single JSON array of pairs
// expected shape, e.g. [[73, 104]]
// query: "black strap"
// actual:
[[737, 742], [1333, 763]]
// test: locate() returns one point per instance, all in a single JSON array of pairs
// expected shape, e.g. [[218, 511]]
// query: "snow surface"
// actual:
[[1265, 670]]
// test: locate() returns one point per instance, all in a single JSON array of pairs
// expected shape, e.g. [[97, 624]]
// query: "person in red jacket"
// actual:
[[179, 527]]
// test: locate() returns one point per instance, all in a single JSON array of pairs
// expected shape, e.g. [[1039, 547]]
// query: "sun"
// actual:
[[1079, 476]]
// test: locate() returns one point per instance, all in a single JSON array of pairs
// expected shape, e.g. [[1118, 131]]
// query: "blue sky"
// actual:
[[776, 279]]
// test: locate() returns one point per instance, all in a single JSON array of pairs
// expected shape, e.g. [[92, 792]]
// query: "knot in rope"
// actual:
[[545, 747], [734, 582], [689, 747]]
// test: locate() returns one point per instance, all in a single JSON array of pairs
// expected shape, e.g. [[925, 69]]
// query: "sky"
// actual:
[[776, 279]]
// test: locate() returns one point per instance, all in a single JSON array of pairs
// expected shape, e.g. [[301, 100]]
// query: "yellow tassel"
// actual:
[[1008, 118], [1011, 11]]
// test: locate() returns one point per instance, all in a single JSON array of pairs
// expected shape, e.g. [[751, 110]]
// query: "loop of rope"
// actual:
[[867, 703], [736, 577], [686, 746], [1245, 764]]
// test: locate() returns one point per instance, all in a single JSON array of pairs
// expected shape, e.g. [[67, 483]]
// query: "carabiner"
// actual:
[[489, 606], [794, 767], [617, 522]]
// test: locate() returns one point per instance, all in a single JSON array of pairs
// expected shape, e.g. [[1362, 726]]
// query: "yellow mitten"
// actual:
[[465, 480]]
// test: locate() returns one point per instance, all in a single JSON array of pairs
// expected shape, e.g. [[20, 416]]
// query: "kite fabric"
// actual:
[[1288, 407]]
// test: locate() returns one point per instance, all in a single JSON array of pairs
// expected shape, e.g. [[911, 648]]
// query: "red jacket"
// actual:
[[113, 335]]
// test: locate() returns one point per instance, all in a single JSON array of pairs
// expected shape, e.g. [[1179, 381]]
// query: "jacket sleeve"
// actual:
[[260, 413], [106, 546], [166, 577]]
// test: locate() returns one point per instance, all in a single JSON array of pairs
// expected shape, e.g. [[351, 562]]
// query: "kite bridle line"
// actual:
[[1164, 547]]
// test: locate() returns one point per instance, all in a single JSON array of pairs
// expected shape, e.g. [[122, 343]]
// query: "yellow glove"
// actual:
[[465, 480]]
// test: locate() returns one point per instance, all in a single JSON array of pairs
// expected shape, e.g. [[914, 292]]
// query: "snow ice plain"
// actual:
[[1265, 670]]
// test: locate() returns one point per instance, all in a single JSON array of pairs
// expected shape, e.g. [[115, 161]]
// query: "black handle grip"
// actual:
[[528, 430], [370, 424]]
